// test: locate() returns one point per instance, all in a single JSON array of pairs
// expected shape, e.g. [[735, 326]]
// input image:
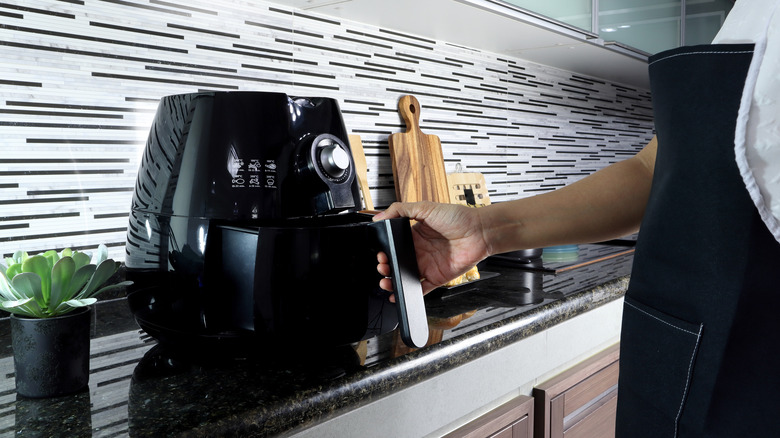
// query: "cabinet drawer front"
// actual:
[[599, 423], [513, 419], [590, 389], [579, 397], [503, 433]]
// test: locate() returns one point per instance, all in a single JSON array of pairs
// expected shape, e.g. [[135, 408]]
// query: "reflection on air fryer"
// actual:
[[512, 286], [507, 289], [449, 307]]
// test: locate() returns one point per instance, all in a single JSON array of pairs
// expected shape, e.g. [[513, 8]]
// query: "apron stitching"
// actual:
[[688, 380], [667, 323], [738, 52]]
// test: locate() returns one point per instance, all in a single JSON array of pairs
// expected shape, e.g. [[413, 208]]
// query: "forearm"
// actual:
[[608, 204]]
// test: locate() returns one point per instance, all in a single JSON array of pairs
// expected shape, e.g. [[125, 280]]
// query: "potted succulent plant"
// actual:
[[48, 296]]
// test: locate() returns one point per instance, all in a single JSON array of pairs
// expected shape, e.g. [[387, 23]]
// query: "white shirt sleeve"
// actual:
[[757, 137]]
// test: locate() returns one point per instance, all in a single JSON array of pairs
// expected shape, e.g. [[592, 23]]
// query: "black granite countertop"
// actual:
[[138, 388]]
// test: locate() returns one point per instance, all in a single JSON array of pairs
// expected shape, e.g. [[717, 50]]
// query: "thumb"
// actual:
[[395, 210], [411, 210]]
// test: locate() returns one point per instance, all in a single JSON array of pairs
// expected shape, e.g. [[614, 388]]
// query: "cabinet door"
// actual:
[[514, 419], [519, 429], [580, 402]]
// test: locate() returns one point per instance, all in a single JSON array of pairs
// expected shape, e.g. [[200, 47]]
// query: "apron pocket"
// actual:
[[656, 363]]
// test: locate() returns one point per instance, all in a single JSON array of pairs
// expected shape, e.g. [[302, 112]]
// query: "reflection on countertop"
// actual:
[[139, 388]]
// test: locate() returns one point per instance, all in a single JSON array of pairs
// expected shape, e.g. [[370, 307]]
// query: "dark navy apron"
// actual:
[[700, 343]]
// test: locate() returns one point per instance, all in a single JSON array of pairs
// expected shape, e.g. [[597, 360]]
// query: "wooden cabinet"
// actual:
[[580, 402], [514, 419]]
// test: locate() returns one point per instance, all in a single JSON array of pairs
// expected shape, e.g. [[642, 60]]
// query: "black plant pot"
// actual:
[[51, 355]]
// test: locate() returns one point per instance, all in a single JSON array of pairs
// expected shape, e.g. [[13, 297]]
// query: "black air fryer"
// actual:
[[244, 229]]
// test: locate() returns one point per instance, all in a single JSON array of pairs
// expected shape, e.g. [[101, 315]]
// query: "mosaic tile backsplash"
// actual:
[[80, 81]]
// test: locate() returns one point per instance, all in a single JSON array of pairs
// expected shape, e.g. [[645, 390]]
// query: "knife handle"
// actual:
[[395, 237]]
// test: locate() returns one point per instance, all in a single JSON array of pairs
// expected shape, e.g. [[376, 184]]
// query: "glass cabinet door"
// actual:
[[650, 26], [703, 20], [577, 13]]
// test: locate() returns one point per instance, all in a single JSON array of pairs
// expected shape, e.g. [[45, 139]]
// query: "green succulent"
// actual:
[[52, 284]]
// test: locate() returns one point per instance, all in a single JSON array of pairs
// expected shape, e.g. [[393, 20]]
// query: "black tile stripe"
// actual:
[[56, 172], [14, 226], [101, 142], [79, 191], [395, 80], [183, 6], [36, 10], [136, 30], [47, 200], [255, 54], [163, 80], [363, 41], [71, 126], [147, 7], [427, 59], [405, 35], [11, 14], [69, 106], [89, 38], [288, 54], [61, 114], [20, 83], [208, 31], [389, 40], [289, 71], [298, 14], [360, 67], [122, 215], [25, 217], [61, 160]]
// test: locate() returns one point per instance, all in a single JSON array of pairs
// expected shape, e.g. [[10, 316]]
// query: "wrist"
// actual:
[[500, 231]]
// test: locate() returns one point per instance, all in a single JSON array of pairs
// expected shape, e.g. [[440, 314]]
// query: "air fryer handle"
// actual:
[[396, 240]]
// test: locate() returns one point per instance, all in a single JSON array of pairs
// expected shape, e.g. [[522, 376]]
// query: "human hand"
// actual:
[[448, 240]]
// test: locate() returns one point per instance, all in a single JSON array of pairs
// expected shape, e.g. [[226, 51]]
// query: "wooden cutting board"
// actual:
[[417, 158], [418, 165], [361, 169], [468, 189]]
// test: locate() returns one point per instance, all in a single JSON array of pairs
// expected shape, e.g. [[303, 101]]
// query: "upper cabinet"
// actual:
[[612, 44], [647, 26]]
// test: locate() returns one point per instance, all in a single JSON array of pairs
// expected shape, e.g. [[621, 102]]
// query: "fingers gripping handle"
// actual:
[[396, 238]]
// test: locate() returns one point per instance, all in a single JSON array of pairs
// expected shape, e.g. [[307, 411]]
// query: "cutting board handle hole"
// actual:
[[411, 109]]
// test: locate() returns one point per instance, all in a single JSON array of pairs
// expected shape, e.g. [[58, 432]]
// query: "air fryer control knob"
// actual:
[[334, 159]]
